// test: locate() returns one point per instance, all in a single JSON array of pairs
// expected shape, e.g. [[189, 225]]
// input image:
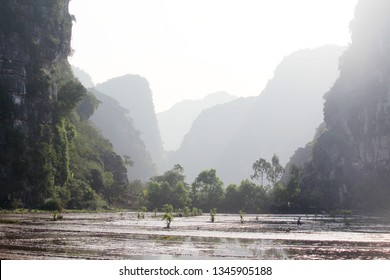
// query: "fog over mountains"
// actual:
[[176, 122], [230, 137], [116, 124], [133, 93], [222, 131]]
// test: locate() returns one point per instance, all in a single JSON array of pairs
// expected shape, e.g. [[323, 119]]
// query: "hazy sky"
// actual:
[[189, 48]]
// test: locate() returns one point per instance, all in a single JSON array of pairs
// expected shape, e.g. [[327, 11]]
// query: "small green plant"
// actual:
[[213, 212], [168, 217], [141, 212], [345, 213], [242, 214], [196, 211], [57, 216], [155, 212]]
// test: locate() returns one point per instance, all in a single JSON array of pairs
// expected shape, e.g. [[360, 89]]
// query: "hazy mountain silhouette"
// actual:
[[112, 120], [114, 123], [84, 78], [230, 137], [133, 93], [176, 122]]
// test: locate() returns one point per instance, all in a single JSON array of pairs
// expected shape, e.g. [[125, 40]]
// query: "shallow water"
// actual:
[[124, 236]]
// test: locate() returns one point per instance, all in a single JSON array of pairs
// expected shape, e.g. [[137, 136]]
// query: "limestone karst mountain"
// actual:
[[50, 154], [115, 124], [349, 163], [176, 122], [112, 120], [134, 94], [232, 136]]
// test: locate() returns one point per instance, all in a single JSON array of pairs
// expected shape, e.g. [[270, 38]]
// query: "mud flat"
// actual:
[[124, 236]]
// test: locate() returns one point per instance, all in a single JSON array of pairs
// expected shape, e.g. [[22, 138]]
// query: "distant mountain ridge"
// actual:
[[84, 78], [230, 137], [115, 124], [134, 94], [111, 120], [176, 122]]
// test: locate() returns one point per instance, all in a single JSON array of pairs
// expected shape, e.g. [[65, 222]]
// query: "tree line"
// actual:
[[267, 195]]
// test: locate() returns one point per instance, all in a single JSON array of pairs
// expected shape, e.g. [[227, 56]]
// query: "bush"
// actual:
[[52, 204]]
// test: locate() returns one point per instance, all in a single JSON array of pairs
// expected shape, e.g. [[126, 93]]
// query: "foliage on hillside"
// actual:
[[50, 155]]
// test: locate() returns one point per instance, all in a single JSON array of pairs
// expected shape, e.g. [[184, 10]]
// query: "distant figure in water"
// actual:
[[299, 221]]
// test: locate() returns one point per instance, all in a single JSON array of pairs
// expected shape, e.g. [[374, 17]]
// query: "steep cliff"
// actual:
[[112, 120], [350, 165], [34, 45], [134, 94], [40, 133]]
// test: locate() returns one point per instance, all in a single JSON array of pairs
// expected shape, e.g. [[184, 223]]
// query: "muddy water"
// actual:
[[124, 236]]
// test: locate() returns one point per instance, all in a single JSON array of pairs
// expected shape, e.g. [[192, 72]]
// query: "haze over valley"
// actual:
[[313, 136]]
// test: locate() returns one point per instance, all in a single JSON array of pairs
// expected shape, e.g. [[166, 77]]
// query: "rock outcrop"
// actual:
[[349, 166], [50, 156]]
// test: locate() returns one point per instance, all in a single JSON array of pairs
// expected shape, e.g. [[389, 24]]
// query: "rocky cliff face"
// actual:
[[350, 163], [34, 41], [34, 44], [49, 154]]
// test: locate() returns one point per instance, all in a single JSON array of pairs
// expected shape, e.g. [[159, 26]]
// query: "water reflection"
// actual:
[[110, 236], [214, 247]]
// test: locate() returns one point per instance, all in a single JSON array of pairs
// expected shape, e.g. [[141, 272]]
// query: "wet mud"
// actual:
[[124, 236]]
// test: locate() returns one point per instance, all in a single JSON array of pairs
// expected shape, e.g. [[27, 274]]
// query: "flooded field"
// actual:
[[124, 236]]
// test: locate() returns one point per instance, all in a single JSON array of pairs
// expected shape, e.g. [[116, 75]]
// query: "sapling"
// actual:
[[141, 212], [155, 212], [168, 217], [242, 214], [213, 212]]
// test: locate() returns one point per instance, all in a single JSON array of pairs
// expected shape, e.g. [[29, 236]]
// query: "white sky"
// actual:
[[187, 49]]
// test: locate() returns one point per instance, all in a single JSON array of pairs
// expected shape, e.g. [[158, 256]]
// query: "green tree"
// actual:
[[261, 167], [246, 198], [207, 190], [169, 188], [172, 177], [293, 187], [181, 196], [70, 93], [231, 203], [275, 173]]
